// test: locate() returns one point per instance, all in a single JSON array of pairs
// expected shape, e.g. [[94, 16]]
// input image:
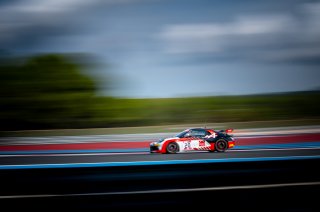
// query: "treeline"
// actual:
[[139, 112], [51, 91]]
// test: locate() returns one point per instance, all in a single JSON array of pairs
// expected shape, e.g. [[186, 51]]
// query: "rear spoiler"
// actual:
[[230, 130], [227, 131]]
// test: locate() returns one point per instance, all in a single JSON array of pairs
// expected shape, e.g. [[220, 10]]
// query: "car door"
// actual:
[[187, 142], [198, 142]]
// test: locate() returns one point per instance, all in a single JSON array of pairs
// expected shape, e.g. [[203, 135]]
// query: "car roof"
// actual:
[[199, 128]]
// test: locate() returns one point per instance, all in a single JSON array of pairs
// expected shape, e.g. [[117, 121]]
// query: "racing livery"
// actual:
[[195, 139]]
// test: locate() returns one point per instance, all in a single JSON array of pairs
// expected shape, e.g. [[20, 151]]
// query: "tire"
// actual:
[[172, 148], [221, 145]]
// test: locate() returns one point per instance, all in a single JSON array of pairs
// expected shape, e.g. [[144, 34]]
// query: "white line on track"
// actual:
[[144, 153], [263, 186], [175, 161]]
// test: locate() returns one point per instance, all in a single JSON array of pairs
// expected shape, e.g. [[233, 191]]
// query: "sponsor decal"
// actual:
[[202, 143]]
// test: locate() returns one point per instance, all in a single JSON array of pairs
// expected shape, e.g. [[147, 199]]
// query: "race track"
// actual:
[[129, 149], [145, 158], [105, 172]]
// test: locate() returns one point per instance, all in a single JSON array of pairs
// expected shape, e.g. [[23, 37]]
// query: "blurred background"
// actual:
[[120, 63]]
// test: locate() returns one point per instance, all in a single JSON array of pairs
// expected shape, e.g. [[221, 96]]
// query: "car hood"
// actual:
[[165, 139]]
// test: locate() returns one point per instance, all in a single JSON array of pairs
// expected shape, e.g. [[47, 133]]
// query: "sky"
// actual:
[[173, 48]]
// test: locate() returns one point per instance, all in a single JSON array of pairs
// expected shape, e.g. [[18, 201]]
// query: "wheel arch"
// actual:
[[165, 144]]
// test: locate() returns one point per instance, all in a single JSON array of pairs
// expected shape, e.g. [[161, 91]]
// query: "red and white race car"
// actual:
[[195, 139]]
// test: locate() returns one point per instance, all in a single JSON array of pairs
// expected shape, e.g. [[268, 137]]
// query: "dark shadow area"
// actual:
[[99, 182]]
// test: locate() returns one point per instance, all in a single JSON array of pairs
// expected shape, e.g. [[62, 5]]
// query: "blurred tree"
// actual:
[[51, 91], [44, 92]]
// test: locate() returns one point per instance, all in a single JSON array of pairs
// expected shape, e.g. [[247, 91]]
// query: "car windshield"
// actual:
[[182, 134]]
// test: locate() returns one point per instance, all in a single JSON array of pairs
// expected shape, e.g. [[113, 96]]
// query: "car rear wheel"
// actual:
[[172, 148], [221, 145]]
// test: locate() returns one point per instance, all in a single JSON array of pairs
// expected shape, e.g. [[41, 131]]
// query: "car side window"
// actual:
[[198, 133]]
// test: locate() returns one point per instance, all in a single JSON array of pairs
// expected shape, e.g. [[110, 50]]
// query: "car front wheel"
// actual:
[[172, 147]]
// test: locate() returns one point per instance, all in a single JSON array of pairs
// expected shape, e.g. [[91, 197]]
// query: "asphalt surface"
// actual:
[[283, 180], [88, 159]]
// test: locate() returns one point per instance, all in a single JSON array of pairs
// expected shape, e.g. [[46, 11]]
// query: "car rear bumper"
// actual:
[[231, 144]]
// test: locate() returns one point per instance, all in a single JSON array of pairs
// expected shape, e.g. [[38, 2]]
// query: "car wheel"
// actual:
[[172, 147], [221, 145]]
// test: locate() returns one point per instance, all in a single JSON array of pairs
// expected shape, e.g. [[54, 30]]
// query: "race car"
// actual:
[[195, 139]]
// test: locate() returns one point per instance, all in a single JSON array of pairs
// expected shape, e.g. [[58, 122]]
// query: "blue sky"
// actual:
[[170, 48]]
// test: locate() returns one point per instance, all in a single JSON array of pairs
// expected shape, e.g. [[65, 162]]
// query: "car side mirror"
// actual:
[[188, 135]]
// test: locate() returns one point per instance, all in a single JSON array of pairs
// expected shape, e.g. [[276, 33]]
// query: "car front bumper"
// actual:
[[155, 147]]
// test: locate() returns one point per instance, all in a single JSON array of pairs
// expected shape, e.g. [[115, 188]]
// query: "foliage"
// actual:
[[51, 91], [44, 92]]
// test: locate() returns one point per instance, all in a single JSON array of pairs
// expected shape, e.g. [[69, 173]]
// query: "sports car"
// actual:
[[195, 139]]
